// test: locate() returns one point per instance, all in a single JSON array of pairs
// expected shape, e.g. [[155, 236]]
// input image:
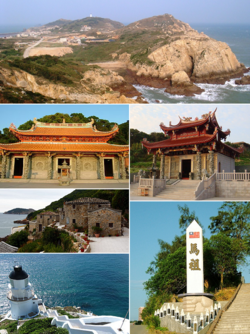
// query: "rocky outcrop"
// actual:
[[58, 52], [245, 80], [182, 85], [97, 90]]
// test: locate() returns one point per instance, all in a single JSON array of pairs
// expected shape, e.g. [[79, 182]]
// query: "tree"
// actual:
[[233, 220], [170, 274], [226, 254], [18, 238], [186, 218]]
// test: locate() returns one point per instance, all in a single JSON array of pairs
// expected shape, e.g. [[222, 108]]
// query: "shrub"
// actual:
[[18, 239]]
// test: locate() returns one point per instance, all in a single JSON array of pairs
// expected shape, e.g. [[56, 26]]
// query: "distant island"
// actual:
[[19, 211]]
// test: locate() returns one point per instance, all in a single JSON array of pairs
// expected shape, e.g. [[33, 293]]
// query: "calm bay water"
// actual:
[[6, 223], [95, 282], [238, 38]]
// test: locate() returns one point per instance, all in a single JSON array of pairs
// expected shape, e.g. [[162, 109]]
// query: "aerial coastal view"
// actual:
[[153, 59]]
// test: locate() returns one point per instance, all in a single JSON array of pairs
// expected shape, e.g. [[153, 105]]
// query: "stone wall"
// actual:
[[104, 217], [88, 167], [47, 219], [232, 189], [79, 212]]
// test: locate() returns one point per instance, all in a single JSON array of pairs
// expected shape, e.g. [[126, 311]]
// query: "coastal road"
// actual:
[[27, 51]]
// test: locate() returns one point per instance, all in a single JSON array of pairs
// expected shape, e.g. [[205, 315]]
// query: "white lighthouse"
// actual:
[[24, 303]]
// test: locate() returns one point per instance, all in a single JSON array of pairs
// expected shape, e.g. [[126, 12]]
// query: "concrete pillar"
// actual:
[[198, 160], [162, 167], [211, 163], [123, 169], [4, 164], [8, 165]]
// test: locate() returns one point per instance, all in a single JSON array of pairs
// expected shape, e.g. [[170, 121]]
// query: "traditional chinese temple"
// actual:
[[50, 150], [194, 148]]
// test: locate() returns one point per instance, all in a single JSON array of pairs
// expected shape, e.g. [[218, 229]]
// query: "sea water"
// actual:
[[238, 39], [7, 222], [94, 282]]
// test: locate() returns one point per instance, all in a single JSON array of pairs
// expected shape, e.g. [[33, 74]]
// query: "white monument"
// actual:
[[23, 301], [195, 300]]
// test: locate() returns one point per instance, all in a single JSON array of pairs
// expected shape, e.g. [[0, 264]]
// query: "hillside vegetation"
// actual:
[[118, 198]]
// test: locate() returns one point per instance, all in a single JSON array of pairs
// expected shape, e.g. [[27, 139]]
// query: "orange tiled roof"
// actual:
[[180, 142], [64, 131], [63, 147]]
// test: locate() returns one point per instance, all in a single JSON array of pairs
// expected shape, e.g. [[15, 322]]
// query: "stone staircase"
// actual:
[[183, 190], [236, 320]]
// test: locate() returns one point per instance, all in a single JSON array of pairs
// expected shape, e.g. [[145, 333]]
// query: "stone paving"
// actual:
[[111, 244], [83, 184]]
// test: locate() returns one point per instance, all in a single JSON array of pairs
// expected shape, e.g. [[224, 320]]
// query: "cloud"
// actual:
[[235, 117]]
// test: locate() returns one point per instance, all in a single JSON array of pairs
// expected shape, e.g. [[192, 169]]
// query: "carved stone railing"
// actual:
[[233, 176], [151, 187], [206, 188]]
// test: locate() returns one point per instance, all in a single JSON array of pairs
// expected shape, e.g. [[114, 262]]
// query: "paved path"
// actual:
[[27, 51], [83, 184], [236, 319], [138, 329], [111, 244]]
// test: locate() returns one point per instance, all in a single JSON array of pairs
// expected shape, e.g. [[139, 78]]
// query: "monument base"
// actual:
[[196, 303]]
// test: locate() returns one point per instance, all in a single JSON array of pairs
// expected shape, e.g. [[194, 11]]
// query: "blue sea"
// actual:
[[94, 282], [238, 38], [6, 223]]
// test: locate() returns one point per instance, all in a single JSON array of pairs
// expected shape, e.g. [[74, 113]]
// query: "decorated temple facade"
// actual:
[[194, 148], [52, 150]]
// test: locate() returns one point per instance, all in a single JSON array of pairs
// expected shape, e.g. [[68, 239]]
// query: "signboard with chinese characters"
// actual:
[[194, 243]]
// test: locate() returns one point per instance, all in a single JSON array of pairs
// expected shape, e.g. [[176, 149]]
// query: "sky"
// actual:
[[19, 114], [150, 221], [29, 198], [235, 117], [31, 12]]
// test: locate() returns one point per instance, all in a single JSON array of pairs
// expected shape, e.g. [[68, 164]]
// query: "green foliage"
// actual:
[[120, 200], [38, 326], [10, 326], [48, 67], [62, 312], [26, 126], [227, 254], [151, 321], [18, 95], [33, 247], [141, 58], [7, 137], [186, 218], [170, 273], [18, 238], [233, 219]]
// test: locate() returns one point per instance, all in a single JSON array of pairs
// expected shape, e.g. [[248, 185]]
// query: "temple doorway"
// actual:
[[185, 168], [108, 168], [18, 168]]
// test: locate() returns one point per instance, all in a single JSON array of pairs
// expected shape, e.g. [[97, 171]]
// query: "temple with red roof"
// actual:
[[50, 150], [194, 148]]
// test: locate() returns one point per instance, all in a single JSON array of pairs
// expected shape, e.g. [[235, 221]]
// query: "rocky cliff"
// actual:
[[93, 88]]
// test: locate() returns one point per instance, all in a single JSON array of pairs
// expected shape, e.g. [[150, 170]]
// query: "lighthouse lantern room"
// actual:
[[24, 303]]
